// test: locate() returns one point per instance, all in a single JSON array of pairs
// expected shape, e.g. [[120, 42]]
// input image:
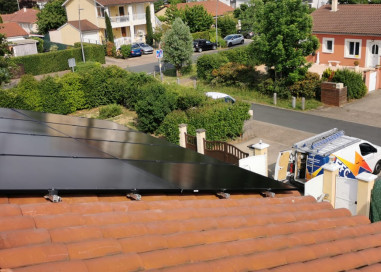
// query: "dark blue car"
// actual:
[[136, 51]]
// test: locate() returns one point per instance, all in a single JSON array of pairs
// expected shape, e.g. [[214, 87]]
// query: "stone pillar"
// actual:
[[152, 11], [131, 18], [183, 131], [364, 190], [331, 171], [261, 149], [200, 136], [251, 113]]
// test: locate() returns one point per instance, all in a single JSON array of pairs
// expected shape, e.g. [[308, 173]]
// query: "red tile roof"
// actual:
[[119, 2], [21, 16], [12, 29], [184, 233], [349, 19], [85, 25], [210, 7]]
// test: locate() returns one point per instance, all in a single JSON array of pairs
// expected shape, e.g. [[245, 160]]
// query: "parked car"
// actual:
[[135, 50], [234, 39], [201, 44], [146, 49], [247, 34], [216, 95]]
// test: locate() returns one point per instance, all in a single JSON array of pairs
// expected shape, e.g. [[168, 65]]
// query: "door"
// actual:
[[282, 165], [121, 11], [346, 194], [374, 55], [124, 32]]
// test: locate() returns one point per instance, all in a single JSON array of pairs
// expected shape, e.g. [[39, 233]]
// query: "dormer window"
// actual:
[[100, 11]]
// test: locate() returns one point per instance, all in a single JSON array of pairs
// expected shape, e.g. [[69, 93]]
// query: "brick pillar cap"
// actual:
[[368, 177], [259, 146], [331, 167], [200, 130], [183, 125]]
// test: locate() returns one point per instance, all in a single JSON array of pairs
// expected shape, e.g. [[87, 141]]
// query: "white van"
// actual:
[[307, 158]]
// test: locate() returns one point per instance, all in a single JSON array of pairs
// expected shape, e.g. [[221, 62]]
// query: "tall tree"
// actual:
[[109, 33], [284, 37], [8, 6], [52, 16], [149, 36], [197, 18], [178, 45], [5, 64]]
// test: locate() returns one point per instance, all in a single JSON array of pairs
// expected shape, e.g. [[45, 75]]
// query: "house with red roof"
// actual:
[[128, 21], [17, 38], [348, 34], [25, 17], [213, 7]]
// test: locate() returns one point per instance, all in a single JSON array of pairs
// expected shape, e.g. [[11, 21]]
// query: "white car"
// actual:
[[216, 95]]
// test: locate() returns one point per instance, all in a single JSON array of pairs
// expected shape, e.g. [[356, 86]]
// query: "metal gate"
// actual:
[[190, 142], [224, 152], [372, 81], [346, 194]]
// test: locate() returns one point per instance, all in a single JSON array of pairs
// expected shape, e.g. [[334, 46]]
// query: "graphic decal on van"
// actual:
[[351, 170]]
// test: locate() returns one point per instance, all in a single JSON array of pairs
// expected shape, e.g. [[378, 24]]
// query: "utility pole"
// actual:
[[80, 31], [216, 23], [18, 4]]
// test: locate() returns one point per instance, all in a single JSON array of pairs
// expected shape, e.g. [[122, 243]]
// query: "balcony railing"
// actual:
[[120, 41], [120, 19]]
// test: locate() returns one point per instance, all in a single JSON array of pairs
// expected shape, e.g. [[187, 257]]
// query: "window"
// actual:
[[100, 11], [375, 49], [352, 48], [328, 45], [367, 149]]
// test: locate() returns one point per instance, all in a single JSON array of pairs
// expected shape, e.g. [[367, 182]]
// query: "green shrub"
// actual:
[[328, 74], [186, 97], [354, 82], [125, 50], [269, 87], [239, 55], [50, 62], [72, 92], [110, 111], [201, 35], [207, 63], [221, 120], [309, 87], [155, 104], [235, 74], [85, 66], [221, 42], [170, 125]]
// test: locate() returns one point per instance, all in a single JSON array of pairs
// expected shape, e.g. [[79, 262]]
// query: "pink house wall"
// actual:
[[339, 47]]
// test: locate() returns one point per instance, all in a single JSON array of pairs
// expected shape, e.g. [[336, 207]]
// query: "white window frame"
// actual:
[[346, 48], [325, 49], [99, 9]]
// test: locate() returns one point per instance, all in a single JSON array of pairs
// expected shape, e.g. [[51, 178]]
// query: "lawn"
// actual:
[[243, 94]]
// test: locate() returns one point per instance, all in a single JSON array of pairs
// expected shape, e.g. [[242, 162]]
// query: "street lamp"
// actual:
[[80, 32], [216, 22]]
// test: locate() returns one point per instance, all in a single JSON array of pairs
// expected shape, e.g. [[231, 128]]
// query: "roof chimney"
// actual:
[[334, 5]]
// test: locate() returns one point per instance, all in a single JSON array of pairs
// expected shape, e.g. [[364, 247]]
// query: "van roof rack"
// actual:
[[325, 143]]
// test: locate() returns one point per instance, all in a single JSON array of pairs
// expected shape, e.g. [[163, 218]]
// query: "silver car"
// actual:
[[146, 49], [234, 39]]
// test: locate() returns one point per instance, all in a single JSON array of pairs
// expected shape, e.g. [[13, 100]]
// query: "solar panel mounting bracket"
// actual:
[[134, 196], [53, 196], [223, 195]]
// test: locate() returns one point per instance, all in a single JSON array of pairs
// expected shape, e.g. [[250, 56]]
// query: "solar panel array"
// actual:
[[41, 151]]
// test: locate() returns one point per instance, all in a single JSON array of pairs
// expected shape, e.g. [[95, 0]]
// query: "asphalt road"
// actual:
[[314, 124]]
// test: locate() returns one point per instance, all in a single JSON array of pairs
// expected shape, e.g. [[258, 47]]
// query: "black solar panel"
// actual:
[[42, 151]]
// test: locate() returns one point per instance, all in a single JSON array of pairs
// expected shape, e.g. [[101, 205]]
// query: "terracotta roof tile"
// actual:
[[116, 263], [68, 266], [21, 16], [12, 29], [59, 221], [16, 223], [22, 256], [18, 238], [75, 234], [190, 235], [210, 6], [348, 19], [85, 25], [119, 2], [3, 200]]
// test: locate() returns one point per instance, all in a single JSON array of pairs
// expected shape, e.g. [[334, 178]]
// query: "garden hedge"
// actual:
[[56, 61]]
